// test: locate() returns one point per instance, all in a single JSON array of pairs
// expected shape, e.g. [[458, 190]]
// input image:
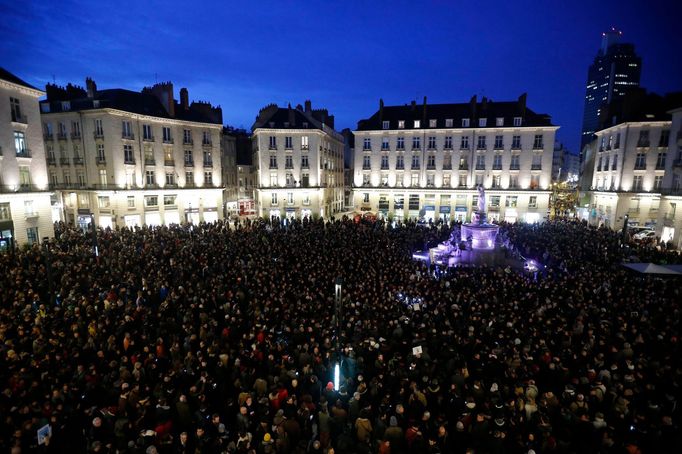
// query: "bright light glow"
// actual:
[[337, 376]]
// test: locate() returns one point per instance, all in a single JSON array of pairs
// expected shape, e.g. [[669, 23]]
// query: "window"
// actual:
[[131, 201], [481, 143], [482, 122], [100, 153], [306, 198], [189, 158], [637, 183], [417, 124], [147, 132], [24, 176], [414, 182], [288, 142], [537, 142], [365, 179], [448, 122], [288, 162], [273, 199], [273, 161], [47, 130], [99, 131], [401, 124], [103, 202], [53, 178], [517, 121], [497, 162], [658, 182], [537, 162], [431, 162], [305, 180], [511, 201], [32, 235], [463, 163], [497, 181], [415, 162], [640, 161], [5, 212], [127, 130], [170, 179], [416, 143], [169, 200], [499, 143], [534, 181], [480, 162], [448, 143], [643, 138], [400, 145], [533, 201], [385, 124], [206, 138], [149, 201], [433, 123], [75, 130], [495, 200], [66, 105], [513, 181], [20, 143], [67, 178], [432, 143], [384, 143], [304, 161], [465, 122], [399, 163], [28, 208], [273, 143], [102, 177], [606, 163], [367, 143], [665, 138], [304, 142], [128, 154], [464, 143], [615, 163], [514, 162], [516, 142], [430, 180], [208, 178], [167, 136], [384, 163], [499, 121], [660, 161], [187, 136], [208, 158], [150, 177], [16, 110], [617, 144], [366, 163], [273, 179]]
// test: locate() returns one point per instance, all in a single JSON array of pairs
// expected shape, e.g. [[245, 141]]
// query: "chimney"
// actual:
[[308, 106], [484, 103], [424, 113], [522, 105], [291, 117], [414, 105], [184, 98], [472, 107], [381, 110], [91, 87]]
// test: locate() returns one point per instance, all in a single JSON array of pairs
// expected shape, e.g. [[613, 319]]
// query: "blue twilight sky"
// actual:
[[343, 55]]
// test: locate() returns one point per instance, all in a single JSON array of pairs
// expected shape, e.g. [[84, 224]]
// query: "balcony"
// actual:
[[168, 140], [447, 166], [48, 136], [538, 146], [366, 167], [431, 167], [660, 166], [516, 147], [64, 161], [149, 161], [19, 118], [75, 136], [399, 148], [101, 160], [640, 166], [129, 161], [480, 166], [148, 138], [51, 161], [416, 148], [464, 167], [400, 167], [415, 167], [189, 163], [273, 165], [61, 135], [384, 167], [514, 167], [497, 166], [536, 167], [128, 136], [25, 153], [169, 162], [208, 143], [98, 135], [481, 147], [78, 161], [209, 164], [643, 143]]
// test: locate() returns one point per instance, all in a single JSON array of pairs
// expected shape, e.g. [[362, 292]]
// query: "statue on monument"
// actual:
[[481, 199]]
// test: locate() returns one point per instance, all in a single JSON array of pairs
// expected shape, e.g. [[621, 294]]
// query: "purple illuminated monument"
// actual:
[[479, 232]]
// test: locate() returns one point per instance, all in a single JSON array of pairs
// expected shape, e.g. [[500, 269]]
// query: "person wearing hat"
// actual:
[[394, 436]]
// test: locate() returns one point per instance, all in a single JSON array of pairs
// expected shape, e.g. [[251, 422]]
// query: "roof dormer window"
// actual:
[[499, 121], [482, 122], [465, 122], [385, 124], [417, 124], [432, 123], [401, 124]]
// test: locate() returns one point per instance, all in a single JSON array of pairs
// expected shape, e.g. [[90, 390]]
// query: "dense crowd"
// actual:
[[223, 338]]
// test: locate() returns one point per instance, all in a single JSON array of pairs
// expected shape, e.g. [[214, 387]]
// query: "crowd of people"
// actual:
[[225, 338]]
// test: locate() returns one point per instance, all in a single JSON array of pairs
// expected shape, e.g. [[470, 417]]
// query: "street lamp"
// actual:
[[337, 307], [94, 234]]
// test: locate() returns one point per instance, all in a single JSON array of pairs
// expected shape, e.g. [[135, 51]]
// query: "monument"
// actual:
[[479, 233]]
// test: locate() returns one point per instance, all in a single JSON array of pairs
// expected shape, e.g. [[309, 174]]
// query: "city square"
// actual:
[[329, 260]]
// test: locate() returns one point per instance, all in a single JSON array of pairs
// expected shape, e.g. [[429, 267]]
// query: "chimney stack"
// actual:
[[290, 117], [308, 106], [414, 105], [91, 87], [472, 107], [381, 109], [522, 105], [184, 98], [424, 114]]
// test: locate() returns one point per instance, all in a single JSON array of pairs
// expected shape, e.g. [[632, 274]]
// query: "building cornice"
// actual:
[[458, 130], [634, 124], [123, 113], [21, 88]]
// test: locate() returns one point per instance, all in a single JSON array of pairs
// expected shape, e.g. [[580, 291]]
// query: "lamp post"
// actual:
[[48, 268], [337, 311], [94, 235]]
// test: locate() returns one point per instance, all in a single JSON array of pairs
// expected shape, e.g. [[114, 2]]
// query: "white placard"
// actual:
[[417, 350], [44, 433]]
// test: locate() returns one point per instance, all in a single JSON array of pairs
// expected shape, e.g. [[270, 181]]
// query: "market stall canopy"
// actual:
[[652, 268]]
